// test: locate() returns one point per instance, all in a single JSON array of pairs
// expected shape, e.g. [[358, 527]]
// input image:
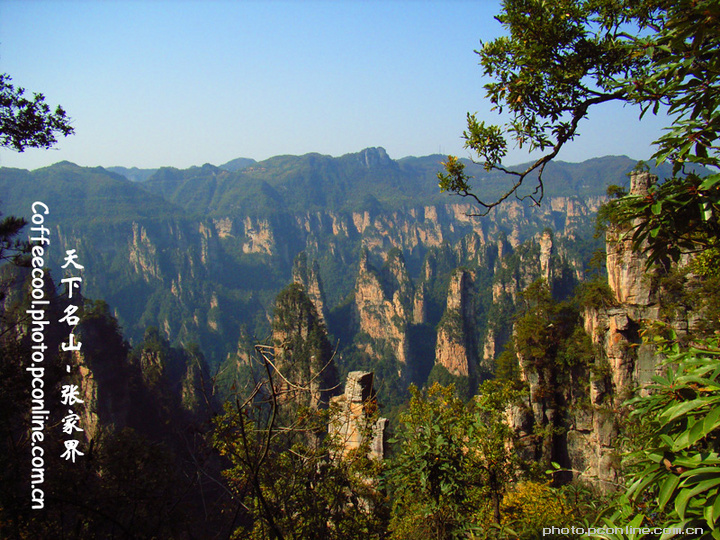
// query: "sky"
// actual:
[[151, 83]]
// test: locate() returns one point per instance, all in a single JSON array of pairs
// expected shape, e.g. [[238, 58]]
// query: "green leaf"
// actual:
[[643, 481], [701, 429], [686, 495], [667, 489], [701, 471], [710, 181], [680, 409], [716, 510]]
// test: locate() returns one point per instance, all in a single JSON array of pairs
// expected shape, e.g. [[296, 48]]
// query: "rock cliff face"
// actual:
[[515, 268], [303, 358], [353, 421], [627, 274], [456, 349], [624, 361], [205, 280], [307, 274], [591, 444], [148, 390], [201, 253], [577, 423], [384, 302], [259, 236]]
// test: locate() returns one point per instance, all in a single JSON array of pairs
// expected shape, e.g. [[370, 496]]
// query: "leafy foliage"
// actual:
[[431, 476], [306, 371], [561, 58], [453, 458], [676, 217], [675, 475], [12, 248], [530, 508], [287, 484], [28, 123]]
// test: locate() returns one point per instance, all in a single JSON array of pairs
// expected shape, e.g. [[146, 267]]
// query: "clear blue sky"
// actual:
[[182, 83]]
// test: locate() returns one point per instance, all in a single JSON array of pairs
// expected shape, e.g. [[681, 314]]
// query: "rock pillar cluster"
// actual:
[[456, 349], [384, 303], [624, 361], [353, 421]]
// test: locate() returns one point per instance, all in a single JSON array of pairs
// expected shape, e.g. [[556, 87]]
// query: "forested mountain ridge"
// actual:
[[368, 180], [201, 253], [416, 294]]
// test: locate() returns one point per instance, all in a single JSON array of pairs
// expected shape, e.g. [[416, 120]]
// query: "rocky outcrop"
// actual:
[[202, 279], [259, 236], [624, 361], [354, 420], [303, 358], [546, 249], [307, 274], [147, 390], [627, 272], [419, 315], [589, 412], [142, 254], [375, 157], [384, 302], [515, 268], [456, 349]]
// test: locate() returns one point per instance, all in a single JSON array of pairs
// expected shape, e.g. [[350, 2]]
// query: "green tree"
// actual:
[[306, 374], [28, 123], [561, 58], [453, 463], [674, 479], [287, 486], [430, 478], [24, 123]]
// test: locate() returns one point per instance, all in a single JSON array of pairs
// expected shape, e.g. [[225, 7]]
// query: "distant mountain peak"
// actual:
[[374, 157], [238, 164]]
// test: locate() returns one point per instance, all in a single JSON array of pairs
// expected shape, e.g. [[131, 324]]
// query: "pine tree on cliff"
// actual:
[[306, 371]]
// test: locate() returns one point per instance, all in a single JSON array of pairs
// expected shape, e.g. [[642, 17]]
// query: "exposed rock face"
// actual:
[[143, 254], [306, 373], [625, 362], [375, 157], [627, 268], [419, 305], [515, 268], [88, 386], [148, 392], [617, 330], [546, 247], [180, 262], [385, 303], [308, 275], [353, 416], [104, 377], [259, 236], [456, 349]]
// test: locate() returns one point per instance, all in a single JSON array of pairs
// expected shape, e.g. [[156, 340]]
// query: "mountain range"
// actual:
[[201, 253]]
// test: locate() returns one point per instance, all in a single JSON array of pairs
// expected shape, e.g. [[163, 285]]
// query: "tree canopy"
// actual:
[[562, 58], [28, 123], [24, 123]]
